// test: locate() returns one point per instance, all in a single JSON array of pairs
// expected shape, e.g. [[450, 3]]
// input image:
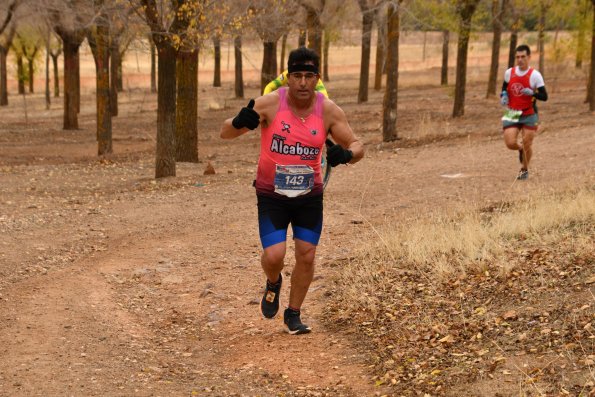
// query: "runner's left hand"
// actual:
[[336, 155], [527, 91]]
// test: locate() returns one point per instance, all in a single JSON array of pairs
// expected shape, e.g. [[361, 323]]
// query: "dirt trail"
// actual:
[[114, 284]]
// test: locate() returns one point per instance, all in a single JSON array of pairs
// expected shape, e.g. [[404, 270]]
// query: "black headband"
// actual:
[[302, 67]]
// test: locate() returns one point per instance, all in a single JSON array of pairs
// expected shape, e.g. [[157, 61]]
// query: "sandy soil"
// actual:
[[112, 283]]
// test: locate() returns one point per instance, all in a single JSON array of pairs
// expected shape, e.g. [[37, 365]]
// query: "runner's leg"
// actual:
[[528, 135], [511, 135], [272, 261], [302, 274]]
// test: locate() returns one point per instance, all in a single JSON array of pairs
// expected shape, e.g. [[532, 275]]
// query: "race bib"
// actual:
[[512, 115], [293, 180]]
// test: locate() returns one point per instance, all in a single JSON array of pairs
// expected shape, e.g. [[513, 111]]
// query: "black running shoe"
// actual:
[[523, 174], [294, 324], [269, 305], [521, 156]]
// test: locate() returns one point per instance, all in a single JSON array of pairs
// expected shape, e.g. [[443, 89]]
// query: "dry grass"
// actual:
[[484, 296], [441, 244]]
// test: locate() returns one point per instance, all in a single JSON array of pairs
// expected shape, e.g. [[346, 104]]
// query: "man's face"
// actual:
[[522, 59], [302, 84]]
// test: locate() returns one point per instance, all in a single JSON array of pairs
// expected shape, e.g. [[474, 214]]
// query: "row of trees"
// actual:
[[178, 29]]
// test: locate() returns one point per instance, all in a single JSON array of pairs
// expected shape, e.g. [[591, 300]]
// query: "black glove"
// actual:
[[247, 118], [335, 154]]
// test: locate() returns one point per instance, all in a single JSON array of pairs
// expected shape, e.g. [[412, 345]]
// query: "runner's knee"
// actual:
[[274, 254]]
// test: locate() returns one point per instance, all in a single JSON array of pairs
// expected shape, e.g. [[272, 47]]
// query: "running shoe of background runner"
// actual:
[[523, 174]]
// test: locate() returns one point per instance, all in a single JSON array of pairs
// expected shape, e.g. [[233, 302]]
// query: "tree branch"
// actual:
[[9, 15]]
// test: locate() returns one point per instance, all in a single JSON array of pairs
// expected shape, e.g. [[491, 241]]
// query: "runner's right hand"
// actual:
[[504, 98], [247, 117]]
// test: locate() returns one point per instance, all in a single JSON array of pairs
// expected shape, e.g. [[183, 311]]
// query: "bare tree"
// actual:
[[5, 21], [217, 55], [465, 9], [591, 88], [389, 106], [55, 53], [70, 21], [5, 44], [21, 74], [98, 37], [153, 66], [7, 32], [380, 16], [314, 9], [187, 105], [326, 43], [27, 44], [515, 24], [444, 68], [283, 52], [498, 7], [239, 78], [367, 8], [270, 19], [543, 6], [163, 26], [583, 25], [48, 100]]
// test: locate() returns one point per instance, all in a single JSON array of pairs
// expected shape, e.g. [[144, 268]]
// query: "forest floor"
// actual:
[[113, 283]]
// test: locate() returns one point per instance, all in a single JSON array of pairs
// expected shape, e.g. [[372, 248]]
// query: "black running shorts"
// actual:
[[275, 215]]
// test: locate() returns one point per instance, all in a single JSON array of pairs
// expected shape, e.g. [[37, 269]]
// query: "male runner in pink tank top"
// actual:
[[294, 124]]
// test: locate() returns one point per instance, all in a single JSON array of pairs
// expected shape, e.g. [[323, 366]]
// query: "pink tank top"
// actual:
[[289, 140]]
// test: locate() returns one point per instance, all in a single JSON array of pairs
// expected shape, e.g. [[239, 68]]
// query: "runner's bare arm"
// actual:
[[265, 106], [336, 121]]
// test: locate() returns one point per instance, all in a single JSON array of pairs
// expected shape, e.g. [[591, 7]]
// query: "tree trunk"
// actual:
[[367, 22], [444, 69], [186, 106], [423, 51], [217, 73], [580, 48], [31, 74], [239, 78], [497, 11], [325, 50], [71, 47], [514, 39], [119, 74], [269, 64], [314, 30], [47, 73], [302, 38], [99, 42], [153, 71], [282, 64], [165, 159], [541, 38], [115, 61], [20, 74], [56, 75], [591, 89], [3, 76], [389, 106], [77, 71], [583, 18], [380, 52], [466, 11]]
